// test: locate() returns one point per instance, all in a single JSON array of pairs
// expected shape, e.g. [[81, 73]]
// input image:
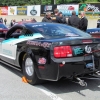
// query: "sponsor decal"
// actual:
[[88, 49], [12, 10], [7, 52], [42, 61], [78, 51], [92, 10], [67, 9], [33, 10], [47, 8], [3, 10], [22, 10], [36, 43]]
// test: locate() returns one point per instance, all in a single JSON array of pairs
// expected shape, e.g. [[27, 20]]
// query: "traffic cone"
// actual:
[[24, 79]]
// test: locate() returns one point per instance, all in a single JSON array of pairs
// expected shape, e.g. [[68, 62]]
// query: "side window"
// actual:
[[27, 32], [17, 33]]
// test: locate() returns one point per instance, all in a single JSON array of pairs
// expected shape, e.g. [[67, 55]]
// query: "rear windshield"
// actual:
[[59, 30]]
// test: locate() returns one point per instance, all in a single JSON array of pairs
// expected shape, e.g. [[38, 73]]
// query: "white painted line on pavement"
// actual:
[[48, 93]]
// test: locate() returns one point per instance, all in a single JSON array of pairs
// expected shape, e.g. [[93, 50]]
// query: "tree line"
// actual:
[[40, 2]]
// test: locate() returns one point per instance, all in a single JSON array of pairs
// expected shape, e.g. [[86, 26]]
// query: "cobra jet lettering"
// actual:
[[35, 43]]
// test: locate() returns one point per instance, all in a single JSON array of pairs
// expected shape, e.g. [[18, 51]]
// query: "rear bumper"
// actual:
[[56, 70], [77, 68]]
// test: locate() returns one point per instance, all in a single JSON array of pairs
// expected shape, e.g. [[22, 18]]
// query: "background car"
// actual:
[[95, 32], [51, 51], [3, 30]]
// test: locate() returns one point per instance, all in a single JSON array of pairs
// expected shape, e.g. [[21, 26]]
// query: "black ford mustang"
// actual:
[[48, 51]]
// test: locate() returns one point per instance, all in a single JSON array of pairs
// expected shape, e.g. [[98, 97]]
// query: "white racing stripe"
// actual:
[[49, 93]]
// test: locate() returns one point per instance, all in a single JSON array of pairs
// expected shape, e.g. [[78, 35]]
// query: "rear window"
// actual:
[[59, 30]]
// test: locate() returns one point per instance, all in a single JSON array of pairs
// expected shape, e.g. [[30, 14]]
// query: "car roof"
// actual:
[[41, 23]]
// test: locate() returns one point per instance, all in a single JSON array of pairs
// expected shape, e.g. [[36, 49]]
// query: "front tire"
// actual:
[[29, 70]]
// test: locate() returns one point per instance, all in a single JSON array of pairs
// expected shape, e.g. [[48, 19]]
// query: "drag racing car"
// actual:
[[50, 51]]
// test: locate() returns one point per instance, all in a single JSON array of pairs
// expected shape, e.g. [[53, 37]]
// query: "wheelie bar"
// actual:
[[79, 81]]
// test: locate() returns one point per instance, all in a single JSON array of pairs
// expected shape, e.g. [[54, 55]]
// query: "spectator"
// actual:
[[56, 18], [1, 20], [83, 22], [47, 18], [22, 20], [56, 12], [11, 23], [63, 18], [5, 21], [74, 20], [33, 20], [98, 23]]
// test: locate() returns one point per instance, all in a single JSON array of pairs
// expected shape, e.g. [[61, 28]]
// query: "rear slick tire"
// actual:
[[29, 70]]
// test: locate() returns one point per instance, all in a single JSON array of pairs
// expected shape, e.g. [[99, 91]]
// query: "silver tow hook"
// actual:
[[80, 82]]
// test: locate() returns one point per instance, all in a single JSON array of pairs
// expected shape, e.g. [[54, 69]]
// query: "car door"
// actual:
[[8, 47]]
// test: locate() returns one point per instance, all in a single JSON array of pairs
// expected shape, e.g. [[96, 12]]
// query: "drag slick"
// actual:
[[48, 51]]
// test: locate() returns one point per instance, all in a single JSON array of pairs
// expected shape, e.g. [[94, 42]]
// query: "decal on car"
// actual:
[[8, 48], [42, 61], [22, 38], [36, 43], [78, 51]]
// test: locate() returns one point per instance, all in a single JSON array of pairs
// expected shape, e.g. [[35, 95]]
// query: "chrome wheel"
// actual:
[[29, 66]]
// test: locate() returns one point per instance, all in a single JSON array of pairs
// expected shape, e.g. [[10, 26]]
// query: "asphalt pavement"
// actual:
[[12, 88]]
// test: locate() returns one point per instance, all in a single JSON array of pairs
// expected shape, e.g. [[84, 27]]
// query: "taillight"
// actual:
[[62, 51], [4, 31], [87, 41]]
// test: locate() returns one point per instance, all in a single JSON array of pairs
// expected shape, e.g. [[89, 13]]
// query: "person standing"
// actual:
[[74, 20], [47, 17], [11, 23], [63, 18], [1, 20], [56, 18], [5, 21], [83, 22]]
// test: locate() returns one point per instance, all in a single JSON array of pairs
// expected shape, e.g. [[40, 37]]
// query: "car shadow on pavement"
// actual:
[[13, 70], [66, 86], [62, 86]]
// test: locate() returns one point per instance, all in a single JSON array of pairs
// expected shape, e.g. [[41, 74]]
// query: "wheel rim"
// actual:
[[29, 67]]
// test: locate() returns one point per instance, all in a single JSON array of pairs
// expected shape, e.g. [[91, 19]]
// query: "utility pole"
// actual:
[[54, 1]]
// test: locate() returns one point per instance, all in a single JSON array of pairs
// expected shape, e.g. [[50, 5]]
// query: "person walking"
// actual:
[[83, 22], [5, 21], [47, 17], [74, 20]]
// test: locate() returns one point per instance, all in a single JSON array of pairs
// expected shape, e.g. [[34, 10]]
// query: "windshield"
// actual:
[[3, 26], [59, 30]]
